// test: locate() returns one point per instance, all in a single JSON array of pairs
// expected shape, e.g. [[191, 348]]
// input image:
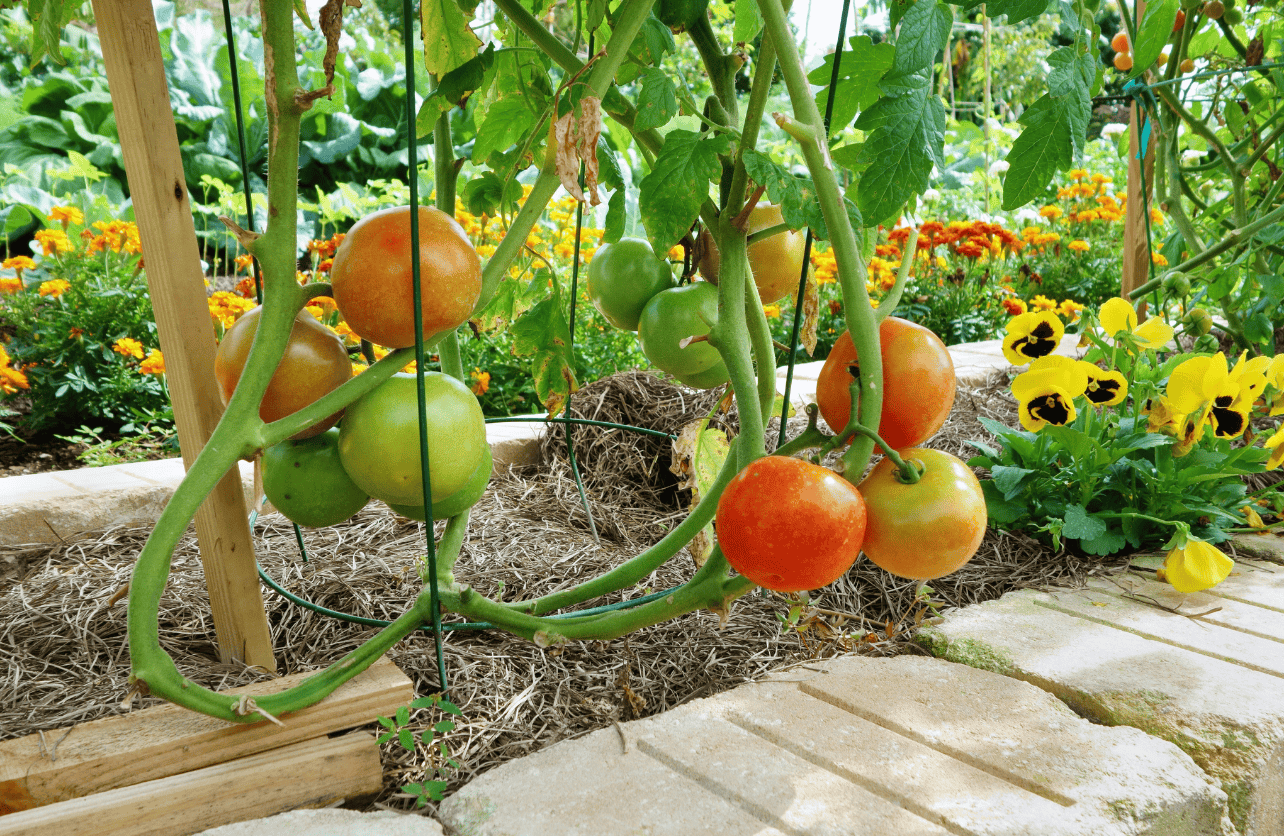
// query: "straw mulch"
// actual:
[[65, 662]]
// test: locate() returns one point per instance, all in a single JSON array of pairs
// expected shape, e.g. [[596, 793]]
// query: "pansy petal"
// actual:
[[1197, 566], [1186, 384], [1154, 333], [1117, 315]]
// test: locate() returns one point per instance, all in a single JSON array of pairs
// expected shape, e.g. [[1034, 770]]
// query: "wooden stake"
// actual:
[[154, 166], [1136, 250]]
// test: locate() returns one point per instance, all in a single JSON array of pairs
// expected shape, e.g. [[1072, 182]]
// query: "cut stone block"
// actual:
[[1196, 680], [909, 745], [331, 823]]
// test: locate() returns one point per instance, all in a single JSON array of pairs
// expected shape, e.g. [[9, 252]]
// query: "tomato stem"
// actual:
[[893, 298], [909, 473]]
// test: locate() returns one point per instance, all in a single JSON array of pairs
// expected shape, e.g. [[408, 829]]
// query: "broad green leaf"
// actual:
[[670, 195], [1259, 329], [860, 69], [905, 135], [924, 32], [795, 195], [1016, 10], [657, 100], [507, 120], [1153, 34], [486, 195], [615, 217], [1080, 526], [453, 89], [1001, 511], [748, 21], [1107, 542], [656, 40], [543, 335], [448, 40], [1046, 146], [301, 9], [48, 20], [1008, 479]]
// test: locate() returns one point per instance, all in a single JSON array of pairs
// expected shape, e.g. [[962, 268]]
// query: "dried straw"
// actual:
[[64, 658]]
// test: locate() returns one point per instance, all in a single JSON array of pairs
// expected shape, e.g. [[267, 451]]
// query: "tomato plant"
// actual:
[[379, 439], [918, 383], [306, 482], [372, 280], [670, 317], [926, 529], [315, 363], [790, 525], [622, 278], [680, 14], [775, 261], [459, 501]]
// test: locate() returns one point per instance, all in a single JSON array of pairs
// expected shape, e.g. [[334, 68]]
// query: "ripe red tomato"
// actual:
[[930, 528], [670, 317], [372, 281], [1179, 21], [307, 483], [918, 383], [790, 525], [622, 278], [315, 363], [776, 262], [379, 439]]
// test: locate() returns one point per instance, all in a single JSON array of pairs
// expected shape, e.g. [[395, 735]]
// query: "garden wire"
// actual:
[[240, 134]]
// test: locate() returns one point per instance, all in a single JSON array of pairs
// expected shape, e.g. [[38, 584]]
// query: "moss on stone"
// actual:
[[970, 652]]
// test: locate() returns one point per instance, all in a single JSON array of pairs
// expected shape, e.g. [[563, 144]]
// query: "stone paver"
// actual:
[[1203, 671], [331, 823], [851, 746]]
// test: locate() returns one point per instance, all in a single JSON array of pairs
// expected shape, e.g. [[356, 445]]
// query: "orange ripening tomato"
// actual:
[[790, 525], [1123, 62], [927, 529], [314, 364], [1119, 43], [918, 383], [372, 279]]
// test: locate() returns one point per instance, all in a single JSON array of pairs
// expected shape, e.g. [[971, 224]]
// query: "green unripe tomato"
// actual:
[[1190, 5], [672, 316], [1199, 321], [458, 502], [1177, 285], [1233, 16], [680, 15], [1207, 344], [1214, 9], [307, 483], [622, 278], [379, 439]]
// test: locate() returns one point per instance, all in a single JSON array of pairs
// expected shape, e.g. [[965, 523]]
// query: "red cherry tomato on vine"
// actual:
[[314, 364], [927, 529], [918, 383], [622, 278], [379, 439], [670, 317], [790, 525], [307, 483], [372, 279]]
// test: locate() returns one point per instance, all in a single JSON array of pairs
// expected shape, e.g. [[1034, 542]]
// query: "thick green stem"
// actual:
[[755, 109], [851, 267], [730, 335], [721, 67]]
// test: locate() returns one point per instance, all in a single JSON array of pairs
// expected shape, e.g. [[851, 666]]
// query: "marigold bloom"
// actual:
[[1014, 307], [1196, 566], [1077, 174], [18, 263], [11, 379], [1079, 245], [9, 286], [771, 311], [66, 215], [1051, 212], [481, 382], [1043, 303], [54, 287], [53, 241], [1159, 260], [153, 364], [128, 347], [1156, 217]]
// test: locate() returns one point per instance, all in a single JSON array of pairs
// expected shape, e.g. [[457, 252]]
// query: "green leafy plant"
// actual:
[[440, 761], [100, 451]]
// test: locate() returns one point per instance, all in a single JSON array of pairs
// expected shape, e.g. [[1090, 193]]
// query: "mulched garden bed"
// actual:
[[63, 638]]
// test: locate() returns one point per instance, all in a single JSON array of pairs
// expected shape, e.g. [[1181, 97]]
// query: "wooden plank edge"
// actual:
[[169, 740], [312, 773]]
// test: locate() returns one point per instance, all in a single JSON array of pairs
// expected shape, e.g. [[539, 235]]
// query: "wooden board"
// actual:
[[314, 773], [168, 740]]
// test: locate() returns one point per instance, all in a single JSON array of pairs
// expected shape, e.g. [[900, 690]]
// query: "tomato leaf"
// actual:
[[906, 135], [657, 100], [748, 21], [671, 193], [1016, 10], [924, 32], [698, 455], [795, 195], [613, 230], [1153, 34], [861, 68], [448, 40], [1045, 146], [453, 89], [542, 334]]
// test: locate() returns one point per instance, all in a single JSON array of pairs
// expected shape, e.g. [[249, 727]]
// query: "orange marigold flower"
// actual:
[[1043, 303], [1077, 174], [1078, 245], [1156, 217], [11, 379], [772, 311], [1159, 260], [76, 333], [66, 215], [18, 263], [971, 249], [245, 288], [244, 262], [889, 250], [128, 347], [10, 286], [53, 241], [1069, 309], [54, 287], [1014, 307], [154, 363], [481, 382], [1051, 212]]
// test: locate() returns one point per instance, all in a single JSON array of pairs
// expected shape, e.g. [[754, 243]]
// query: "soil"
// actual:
[[25, 452]]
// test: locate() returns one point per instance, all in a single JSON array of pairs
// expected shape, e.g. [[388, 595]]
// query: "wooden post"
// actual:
[[1136, 250], [149, 140]]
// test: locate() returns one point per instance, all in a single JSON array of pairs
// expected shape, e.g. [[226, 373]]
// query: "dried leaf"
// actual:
[[811, 314], [698, 455], [576, 143]]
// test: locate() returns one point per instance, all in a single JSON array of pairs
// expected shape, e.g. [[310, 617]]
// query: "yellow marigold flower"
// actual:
[[53, 241], [1110, 213], [154, 363], [1077, 174], [1043, 303], [481, 382], [17, 264], [1118, 316], [1031, 232], [1051, 212], [1031, 336], [10, 286], [1196, 566], [1069, 309], [1046, 238], [54, 287], [128, 347], [66, 215], [1159, 260], [772, 311], [11, 379], [1156, 217], [1079, 245], [1087, 216], [1100, 178]]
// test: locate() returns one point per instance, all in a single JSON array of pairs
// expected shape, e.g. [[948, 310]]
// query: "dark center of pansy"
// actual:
[[1223, 401], [1228, 423], [1050, 408], [1033, 348], [1103, 390]]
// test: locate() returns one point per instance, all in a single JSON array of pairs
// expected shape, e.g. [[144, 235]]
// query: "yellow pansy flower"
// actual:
[[1106, 387], [1046, 393], [1118, 316], [1196, 566], [1032, 335]]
